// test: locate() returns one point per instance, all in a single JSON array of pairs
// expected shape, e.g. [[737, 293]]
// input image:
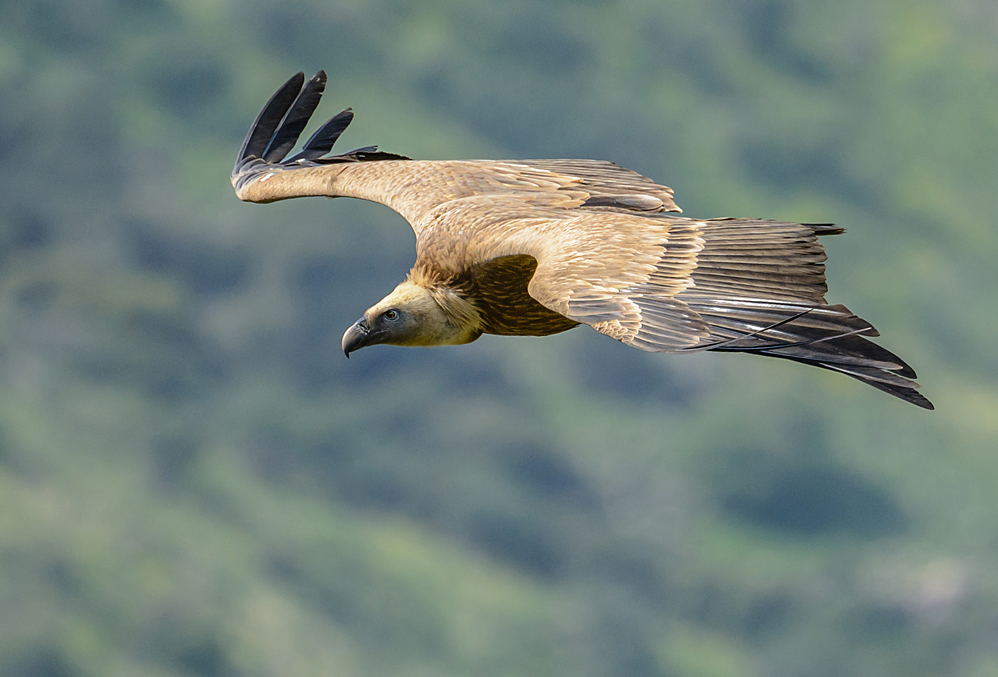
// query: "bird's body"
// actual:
[[536, 247]]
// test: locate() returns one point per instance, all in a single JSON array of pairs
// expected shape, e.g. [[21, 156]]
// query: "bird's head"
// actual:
[[412, 315]]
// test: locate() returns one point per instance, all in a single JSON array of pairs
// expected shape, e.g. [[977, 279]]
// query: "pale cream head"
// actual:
[[413, 315]]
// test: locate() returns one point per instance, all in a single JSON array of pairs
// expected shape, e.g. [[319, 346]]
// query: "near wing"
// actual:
[[670, 284]]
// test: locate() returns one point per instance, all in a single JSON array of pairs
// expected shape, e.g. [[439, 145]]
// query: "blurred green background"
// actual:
[[193, 481]]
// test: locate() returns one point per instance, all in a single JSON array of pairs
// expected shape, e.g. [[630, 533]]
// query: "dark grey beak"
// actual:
[[356, 336]]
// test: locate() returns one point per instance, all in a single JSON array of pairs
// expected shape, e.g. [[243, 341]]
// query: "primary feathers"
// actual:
[[536, 247]]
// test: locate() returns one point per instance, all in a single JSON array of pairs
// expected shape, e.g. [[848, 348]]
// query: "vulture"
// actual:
[[537, 247]]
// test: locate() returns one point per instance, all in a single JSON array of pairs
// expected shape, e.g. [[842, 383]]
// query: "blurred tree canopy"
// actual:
[[194, 482]]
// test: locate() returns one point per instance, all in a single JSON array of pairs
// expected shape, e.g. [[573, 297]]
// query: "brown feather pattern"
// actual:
[[498, 289]]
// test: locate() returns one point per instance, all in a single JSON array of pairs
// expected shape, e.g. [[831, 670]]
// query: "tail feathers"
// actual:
[[830, 337]]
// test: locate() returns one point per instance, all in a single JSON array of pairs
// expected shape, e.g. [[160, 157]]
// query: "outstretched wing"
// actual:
[[671, 284], [760, 287], [412, 188]]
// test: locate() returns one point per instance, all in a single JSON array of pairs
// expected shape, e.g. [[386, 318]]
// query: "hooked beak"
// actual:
[[356, 336]]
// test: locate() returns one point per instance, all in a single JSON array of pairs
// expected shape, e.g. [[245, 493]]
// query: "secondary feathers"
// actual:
[[536, 247]]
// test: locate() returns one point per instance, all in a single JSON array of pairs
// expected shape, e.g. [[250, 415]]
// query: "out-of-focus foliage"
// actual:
[[193, 481]]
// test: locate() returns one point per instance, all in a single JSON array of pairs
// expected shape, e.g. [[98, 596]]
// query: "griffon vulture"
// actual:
[[536, 247]]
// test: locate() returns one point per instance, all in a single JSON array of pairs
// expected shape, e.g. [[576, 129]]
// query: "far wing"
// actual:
[[263, 173]]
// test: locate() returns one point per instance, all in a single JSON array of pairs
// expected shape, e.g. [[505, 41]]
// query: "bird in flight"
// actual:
[[537, 247]]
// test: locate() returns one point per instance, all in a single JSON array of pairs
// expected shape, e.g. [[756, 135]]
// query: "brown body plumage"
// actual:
[[536, 247]]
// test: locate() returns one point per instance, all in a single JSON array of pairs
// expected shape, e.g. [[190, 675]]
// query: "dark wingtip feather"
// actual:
[[322, 141], [825, 228], [267, 122], [380, 155], [830, 337], [278, 126], [906, 393], [884, 381], [365, 154], [295, 119]]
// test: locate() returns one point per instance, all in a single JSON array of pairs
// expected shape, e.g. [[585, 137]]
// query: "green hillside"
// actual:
[[194, 482]]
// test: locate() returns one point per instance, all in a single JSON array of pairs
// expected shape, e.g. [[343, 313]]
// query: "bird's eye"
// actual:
[[391, 314]]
